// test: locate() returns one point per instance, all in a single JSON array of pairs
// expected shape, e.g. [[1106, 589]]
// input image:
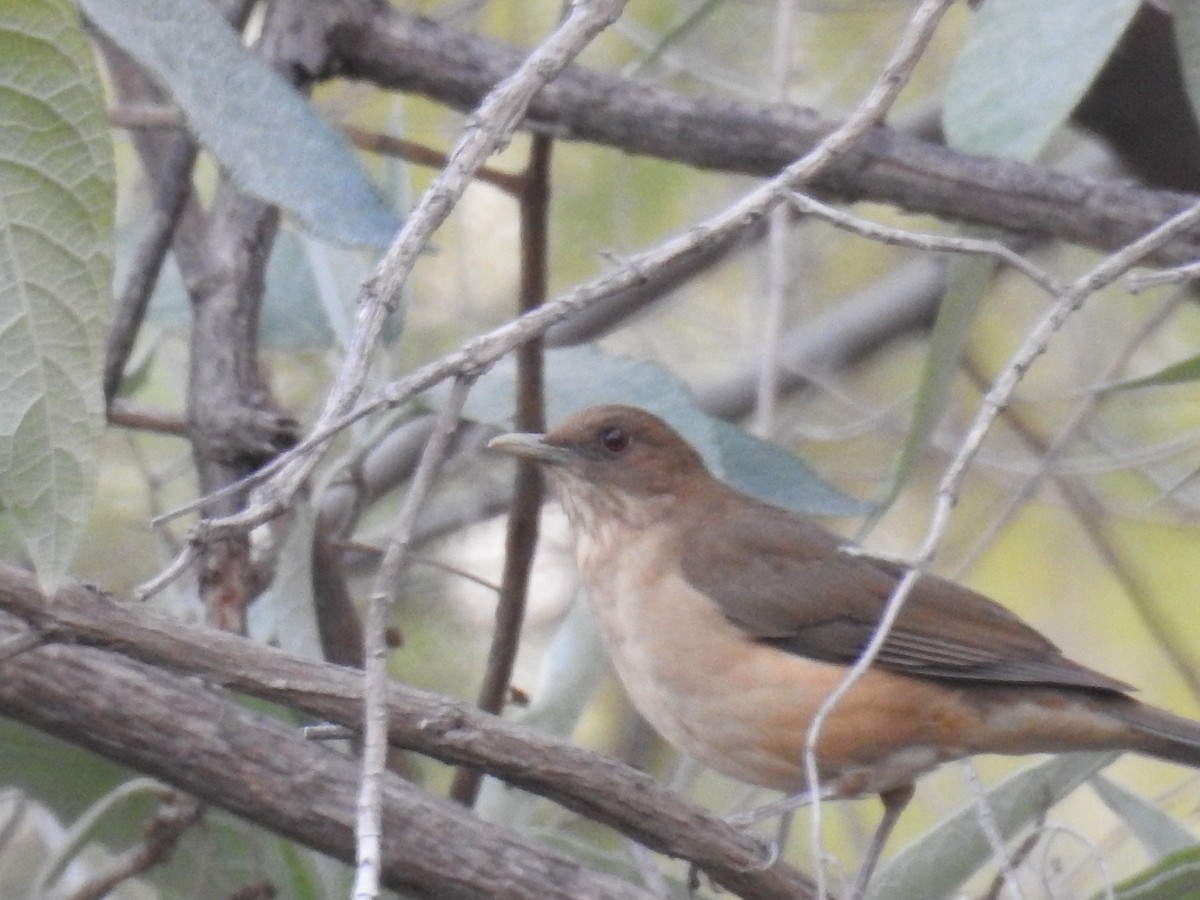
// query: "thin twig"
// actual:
[[421, 155], [1177, 275], [991, 831], [779, 230], [1007, 872], [369, 824], [528, 488], [288, 470], [1093, 852], [929, 242], [188, 554], [176, 814], [125, 415], [173, 187]]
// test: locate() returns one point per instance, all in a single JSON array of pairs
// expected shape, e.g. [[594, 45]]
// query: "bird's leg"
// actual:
[[778, 807], [781, 807], [894, 801]]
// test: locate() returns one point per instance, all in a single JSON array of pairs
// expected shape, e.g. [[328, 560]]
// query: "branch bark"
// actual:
[[202, 742]]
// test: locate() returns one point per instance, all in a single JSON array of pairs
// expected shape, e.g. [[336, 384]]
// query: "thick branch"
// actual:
[[451, 731], [204, 743], [386, 46]]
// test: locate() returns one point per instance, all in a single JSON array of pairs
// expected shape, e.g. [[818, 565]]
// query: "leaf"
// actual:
[[308, 299], [285, 615], [261, 130], [56, 209], [950, 853], [1182, 372], [1025, 66], [1159, 833], [580, 377], [967, 280], [1173, 878], [674, 36]]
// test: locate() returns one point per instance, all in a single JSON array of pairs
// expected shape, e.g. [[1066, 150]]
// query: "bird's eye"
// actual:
[[614, 440]]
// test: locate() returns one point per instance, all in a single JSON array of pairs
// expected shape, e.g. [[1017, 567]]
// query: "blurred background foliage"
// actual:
[[1101, 554]]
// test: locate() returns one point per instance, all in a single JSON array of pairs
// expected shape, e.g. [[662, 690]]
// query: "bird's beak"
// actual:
[[531, 446]]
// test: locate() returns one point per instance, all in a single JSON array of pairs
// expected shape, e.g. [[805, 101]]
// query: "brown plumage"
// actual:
[[729, 621]]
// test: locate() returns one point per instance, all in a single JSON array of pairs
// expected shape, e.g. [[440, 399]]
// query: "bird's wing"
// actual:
[[789, 582]]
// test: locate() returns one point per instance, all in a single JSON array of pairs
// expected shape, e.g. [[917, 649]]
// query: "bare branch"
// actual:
[[369, 823], [1177, 275], [901, 237], [524, 516]]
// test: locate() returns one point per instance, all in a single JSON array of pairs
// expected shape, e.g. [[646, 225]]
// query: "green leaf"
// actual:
[[1025, 66], [579, 377], [1173, 878], [56, 209], [1183, 372], [262, 131], [967, 280], [1159, 833], [946, 856]]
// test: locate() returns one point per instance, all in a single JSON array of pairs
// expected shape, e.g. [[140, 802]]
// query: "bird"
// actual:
[[729, 621]]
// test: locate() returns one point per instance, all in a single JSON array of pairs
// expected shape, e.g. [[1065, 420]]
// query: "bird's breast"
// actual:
[[740, 706]]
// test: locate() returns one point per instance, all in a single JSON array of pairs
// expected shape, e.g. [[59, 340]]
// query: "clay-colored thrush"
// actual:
[[729, 621]]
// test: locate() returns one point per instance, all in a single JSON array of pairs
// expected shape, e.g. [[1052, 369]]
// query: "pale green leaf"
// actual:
[[967, 280], [942, 859], [1183, 372], [285, 615], [1174, 877], [263, 132], [56, 208], [1025, 66], [308, 300], [1159, 833]]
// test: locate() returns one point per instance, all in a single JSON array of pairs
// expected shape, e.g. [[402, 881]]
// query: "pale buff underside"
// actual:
[[743, 708]]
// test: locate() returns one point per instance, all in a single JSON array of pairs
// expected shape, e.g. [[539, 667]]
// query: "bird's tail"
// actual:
[[1164, 735]]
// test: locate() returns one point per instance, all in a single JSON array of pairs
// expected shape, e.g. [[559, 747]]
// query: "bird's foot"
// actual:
[[768, 857]]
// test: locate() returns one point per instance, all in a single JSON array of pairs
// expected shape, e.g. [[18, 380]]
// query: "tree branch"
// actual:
[[394, 49], [202, 742], [448, 730]]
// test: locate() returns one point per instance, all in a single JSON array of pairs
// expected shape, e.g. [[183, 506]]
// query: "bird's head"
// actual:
[[614, 459]]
